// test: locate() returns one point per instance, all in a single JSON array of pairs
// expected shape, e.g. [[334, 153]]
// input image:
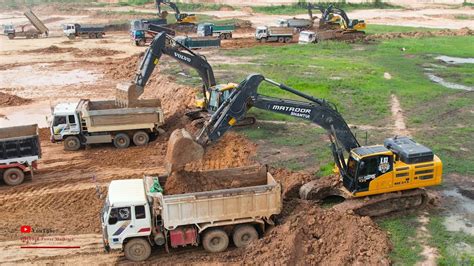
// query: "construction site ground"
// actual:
[[398, 81]]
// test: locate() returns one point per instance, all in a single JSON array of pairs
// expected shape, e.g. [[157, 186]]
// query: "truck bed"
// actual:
[[19, 142], [36, 22], [220, 207], [103, 116]]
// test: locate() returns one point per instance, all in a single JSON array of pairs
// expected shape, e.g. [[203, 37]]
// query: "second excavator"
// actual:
[[392, 174]]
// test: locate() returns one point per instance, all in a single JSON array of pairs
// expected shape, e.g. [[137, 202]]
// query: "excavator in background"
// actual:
[[181, 18], [335, 24], [213, 95], [391, 174]]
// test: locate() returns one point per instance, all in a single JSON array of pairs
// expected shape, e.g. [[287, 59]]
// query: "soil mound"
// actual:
[[53, 49], [12, 100], [310, 234], [98, 52], [290, 181]]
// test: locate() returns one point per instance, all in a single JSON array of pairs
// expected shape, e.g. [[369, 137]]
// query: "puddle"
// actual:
[[44, 76], [455, 60], [461, 216], [447, 84]]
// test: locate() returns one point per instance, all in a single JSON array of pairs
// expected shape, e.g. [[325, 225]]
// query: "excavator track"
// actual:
[[373, 206]]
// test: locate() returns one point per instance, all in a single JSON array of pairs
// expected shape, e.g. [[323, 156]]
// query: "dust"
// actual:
[[12, 100]]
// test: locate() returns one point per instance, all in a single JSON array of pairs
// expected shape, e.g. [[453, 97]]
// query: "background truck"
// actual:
[[137, 215], [76, 30], [274, 34], [299, 23], [19, 151], [198, 42], [39, 28], [89, 122], [210, 29], [139, 28]]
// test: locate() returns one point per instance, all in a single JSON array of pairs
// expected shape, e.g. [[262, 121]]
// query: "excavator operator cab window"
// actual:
[[214, 100], [372, 167]]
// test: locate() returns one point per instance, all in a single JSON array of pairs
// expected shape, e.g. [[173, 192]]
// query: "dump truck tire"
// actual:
[[141, 138], [215, 240], [121, 141], [137, 249], [287, 39], [11, 36], [72, 143], [13, 176], [243, 235], [281, 39], [71, 37]]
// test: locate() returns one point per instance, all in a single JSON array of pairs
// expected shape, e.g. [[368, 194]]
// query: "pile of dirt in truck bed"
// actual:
[[290, 181], [12, 100], [421, 34], [309, 234]]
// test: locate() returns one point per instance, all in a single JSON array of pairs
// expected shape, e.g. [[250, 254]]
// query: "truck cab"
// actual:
[[8, 29], [69, 29], [261, 32], [126, 213], [307, 37], [64, 122], [204, 29], [283, 23]]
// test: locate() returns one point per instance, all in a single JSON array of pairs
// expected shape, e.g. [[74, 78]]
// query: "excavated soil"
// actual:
[[12, 100], [53, 49]]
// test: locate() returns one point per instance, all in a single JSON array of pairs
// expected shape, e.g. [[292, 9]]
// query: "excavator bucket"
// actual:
[[127, 95], [182, 149]]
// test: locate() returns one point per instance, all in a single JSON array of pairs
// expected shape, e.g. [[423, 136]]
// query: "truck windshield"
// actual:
[[59, 120], [352, 167]]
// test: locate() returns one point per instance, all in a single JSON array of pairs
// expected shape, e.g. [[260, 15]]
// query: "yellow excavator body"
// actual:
[[190, 18]]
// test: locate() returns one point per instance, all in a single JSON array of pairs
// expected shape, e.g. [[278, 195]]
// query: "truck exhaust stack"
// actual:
[[182, 149]]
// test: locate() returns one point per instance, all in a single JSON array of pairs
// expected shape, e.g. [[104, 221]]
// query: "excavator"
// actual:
[[377, 179], [335, 24], [181, 18], [214, 95]]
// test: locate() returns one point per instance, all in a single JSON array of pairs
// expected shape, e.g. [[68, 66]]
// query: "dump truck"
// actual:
[[19, 152], [198, 42], [138, 215], [91, 122], [299, 23], [210, 29], [39, 28], [274, 34], [74, 30]]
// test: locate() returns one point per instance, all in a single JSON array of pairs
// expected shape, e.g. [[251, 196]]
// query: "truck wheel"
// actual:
[[91, 35], [243, 235], [137, 249], [287, 39], [229, 35], [215, 240], [11, 36], [99, 36], [71, 37], [13, 176], [281, 39], [141, 43], [222, 36], [72, 143], [263, 40], [35, 36], [141, 138], [121, 141]]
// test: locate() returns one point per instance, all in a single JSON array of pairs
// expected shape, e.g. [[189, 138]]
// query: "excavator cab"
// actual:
[[218, 94]]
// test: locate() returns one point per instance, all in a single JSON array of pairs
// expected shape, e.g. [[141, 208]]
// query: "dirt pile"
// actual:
[[290, 181], [123, 69], [309, 234], [12, 100], [53, 49], [95, 52], [420, 34]]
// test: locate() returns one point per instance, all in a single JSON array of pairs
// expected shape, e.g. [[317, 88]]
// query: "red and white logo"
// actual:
[[25, 229]]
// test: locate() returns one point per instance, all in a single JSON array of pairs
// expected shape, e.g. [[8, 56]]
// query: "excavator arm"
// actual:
[[163, 44], [318, 111]]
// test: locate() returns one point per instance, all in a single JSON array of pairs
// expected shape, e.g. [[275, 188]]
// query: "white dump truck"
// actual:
[[274, 34], [299, 23], [137, 215], [91, 122]]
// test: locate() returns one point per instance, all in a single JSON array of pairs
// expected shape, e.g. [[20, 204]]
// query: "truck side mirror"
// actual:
[[362, 165], [113, 220]]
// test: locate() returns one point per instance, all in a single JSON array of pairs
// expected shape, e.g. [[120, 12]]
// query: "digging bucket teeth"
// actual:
[[127, 95], [182, 149]]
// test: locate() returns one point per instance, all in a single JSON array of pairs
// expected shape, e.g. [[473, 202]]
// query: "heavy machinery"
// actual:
[[39, 26], [213, 95], [335, 24], [400, 165], [181, 18]]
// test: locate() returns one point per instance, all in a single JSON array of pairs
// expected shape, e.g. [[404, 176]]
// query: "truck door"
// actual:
[[119, 225], [73, 123]]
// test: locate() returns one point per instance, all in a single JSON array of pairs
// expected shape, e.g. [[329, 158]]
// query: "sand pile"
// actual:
[[308, 234], [12, 100]]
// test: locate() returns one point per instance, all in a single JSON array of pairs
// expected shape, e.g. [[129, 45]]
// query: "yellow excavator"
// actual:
[[181, 18], [391, 174]]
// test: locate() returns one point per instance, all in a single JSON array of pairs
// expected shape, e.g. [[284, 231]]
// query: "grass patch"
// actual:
[[447, 243], [464, 17], [300, 8], [402, 231]]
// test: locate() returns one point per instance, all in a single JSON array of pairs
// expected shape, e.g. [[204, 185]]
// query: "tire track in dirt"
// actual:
[[398, 116]]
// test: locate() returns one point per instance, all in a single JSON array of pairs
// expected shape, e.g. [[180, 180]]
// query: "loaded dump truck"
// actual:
[[198, 42], [19, 151], [274, 34], [91, 122], [138, 216], [210, 29], [39, 28], [76, 30], [299, 23]]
